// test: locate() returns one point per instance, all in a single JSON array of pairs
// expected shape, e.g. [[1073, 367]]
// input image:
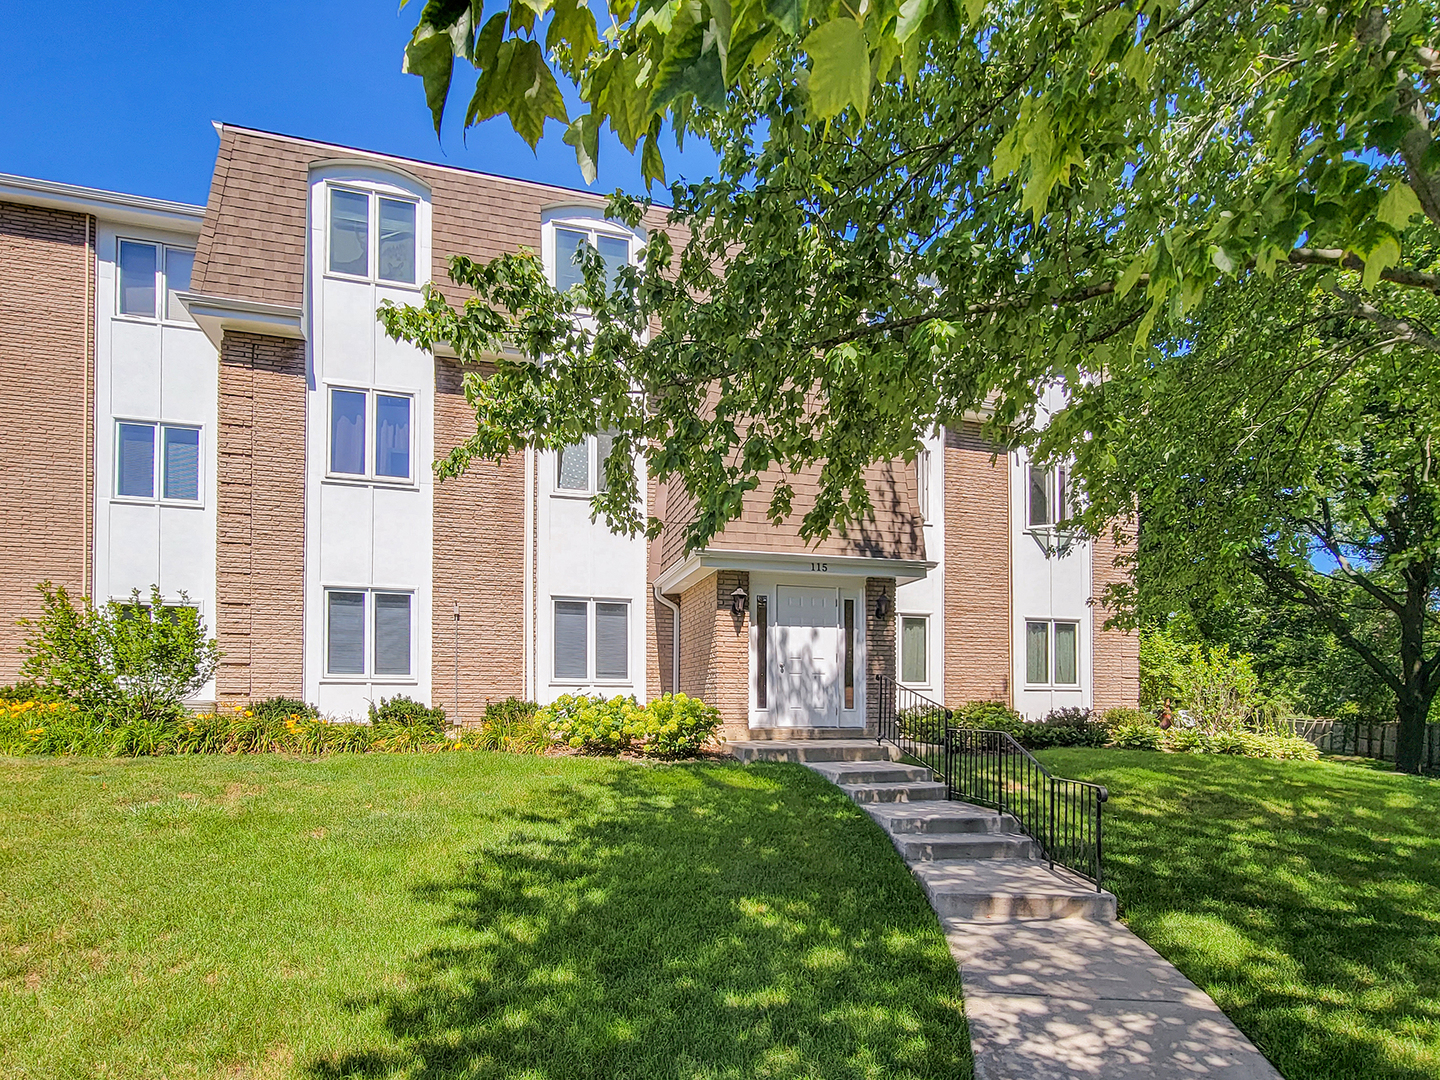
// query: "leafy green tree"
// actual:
[[1285, 447]]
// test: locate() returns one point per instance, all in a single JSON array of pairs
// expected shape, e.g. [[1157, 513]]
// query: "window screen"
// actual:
[[912, 650], [345, 647], [1039, 496], [567, 270], [1067, 669], [135, 465], [604, 443], [397, 240], [178, 264], [347, 432], [922, 483], [572, 467], [849, 654], [349, 232], [615, 250], [1037, 652], [612, 641], [570, 639], [762, 649], [392, 633], [137, 279], [392, 436], [181, 476]]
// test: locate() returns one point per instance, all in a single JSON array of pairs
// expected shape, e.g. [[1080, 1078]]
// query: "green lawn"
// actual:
[[1305, 897], [475, 915]]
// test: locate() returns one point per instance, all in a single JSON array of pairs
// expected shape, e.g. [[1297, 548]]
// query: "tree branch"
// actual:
[[1396, 328]]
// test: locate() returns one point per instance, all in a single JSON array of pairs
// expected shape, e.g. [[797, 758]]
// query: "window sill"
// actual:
[[342, 480], [137, 500], [151, 320], [575, 495], [367, 680], [620, 685], [406, 286], [1067, 688]]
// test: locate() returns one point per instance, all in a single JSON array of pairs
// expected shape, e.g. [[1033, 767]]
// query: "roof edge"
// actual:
[[109, 205]]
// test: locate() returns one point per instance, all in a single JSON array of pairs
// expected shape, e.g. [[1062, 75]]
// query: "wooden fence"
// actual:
[[1359, 739]]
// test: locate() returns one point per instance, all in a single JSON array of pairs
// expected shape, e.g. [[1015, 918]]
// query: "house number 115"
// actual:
[[820, 567]]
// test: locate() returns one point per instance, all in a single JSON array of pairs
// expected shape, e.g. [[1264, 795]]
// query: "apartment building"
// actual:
[[204, 400]]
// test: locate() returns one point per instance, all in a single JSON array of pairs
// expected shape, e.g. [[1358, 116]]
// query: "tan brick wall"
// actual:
[[478, 560], [46, 263], [260, 558], [1116, 652], [879, 645], [714, 648], [977, 568]]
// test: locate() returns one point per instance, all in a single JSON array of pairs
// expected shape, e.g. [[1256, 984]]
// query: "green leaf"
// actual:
[[652, 165], [573, 25], [840, 71], [789, 15], [1398, 206], [1222, 260], [690, 64], [912, 14], [584, 135], [1131, 275], [1385, 254], [431, 56]]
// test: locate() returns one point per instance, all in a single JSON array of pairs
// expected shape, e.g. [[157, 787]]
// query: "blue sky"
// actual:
[[121, 96]]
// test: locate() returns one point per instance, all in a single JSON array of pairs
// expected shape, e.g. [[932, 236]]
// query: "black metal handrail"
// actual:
[[989, 768]]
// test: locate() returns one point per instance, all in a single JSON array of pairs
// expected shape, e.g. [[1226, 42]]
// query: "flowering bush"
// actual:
[[670, 726], [678, 726]]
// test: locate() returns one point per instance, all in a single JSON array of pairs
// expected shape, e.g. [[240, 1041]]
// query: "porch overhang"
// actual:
[[700, 564], [216, 314]]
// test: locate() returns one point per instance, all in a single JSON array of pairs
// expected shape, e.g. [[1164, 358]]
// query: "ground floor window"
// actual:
[[914, 651], [1052, 653], [369, 632], [577, 624]]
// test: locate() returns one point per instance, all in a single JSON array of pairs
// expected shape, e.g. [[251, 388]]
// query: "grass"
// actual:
[[463, 915], [1303, 896]]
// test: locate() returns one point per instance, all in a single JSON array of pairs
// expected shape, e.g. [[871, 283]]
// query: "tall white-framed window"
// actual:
[[369, 634], [591, 640], [1047, 496], [580, 467], [616, 245], [157, 462], [1052, 653], [372, 235], [148, 279], [922, 481], [371, 435], [915, 650]]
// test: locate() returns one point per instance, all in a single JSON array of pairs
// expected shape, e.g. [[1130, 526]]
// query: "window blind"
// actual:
[[1037, 652], [612, 641], [345, 649], [178, 264], [392, 633], [135, 469], [138, 263], [912, 650], [567, 270], [1067, 672], [570, 639], [392, 436], [181, 478]]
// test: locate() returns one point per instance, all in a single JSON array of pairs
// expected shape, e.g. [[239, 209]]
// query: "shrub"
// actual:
[[403, 724], [30, 692], [1064, 727], [48, 727], [511, 725], [678, 726], [988, 716], [1143, 735], [923, 723], [595, 725], [136, 659], [1124, 718], [1179, 740]]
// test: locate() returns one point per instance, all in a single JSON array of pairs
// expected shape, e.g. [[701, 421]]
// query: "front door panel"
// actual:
[[805, 645]]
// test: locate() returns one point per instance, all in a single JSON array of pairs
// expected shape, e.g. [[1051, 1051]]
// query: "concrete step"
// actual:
[[846, 773], [997, 890], [895, 793], [947, 818], [814, 751], [805, 734], [924, 848]]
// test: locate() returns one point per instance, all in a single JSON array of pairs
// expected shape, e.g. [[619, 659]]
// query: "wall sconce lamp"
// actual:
[[737, 601], [882, 606]]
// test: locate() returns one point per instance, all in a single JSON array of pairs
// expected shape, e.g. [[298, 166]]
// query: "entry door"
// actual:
[[805, 644]]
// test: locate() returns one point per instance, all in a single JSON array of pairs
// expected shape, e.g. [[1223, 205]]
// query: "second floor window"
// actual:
[[370, 434], [614, 250], [580, 467], [1049, 499], [135, 461], [355, 247], [151, 276]]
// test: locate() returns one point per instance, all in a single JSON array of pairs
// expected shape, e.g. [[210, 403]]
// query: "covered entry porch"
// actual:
[[783, 643]]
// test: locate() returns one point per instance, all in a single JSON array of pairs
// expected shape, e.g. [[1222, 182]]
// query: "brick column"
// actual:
[[1116, 653], [715, 648], [879, 645]]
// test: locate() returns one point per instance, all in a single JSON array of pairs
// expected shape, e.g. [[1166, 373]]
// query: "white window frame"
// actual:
[[922, 482], [1053, 484], [162, 283], [592, 471], [591, 224], [372, 235], [591, 679], [372, 404], [367, 646], [924, 617], [157, 474], [1051, 638]]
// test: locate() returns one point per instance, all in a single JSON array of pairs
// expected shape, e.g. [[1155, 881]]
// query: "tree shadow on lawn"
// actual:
[[681, 921], [1305, 897]]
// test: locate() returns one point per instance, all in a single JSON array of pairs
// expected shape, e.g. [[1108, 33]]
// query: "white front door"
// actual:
[[805, 652]]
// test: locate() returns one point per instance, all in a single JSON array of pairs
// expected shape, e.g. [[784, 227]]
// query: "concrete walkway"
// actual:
[[1054, 987]]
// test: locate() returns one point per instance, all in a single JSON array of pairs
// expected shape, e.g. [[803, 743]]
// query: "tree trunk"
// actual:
[[1412, 704]]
